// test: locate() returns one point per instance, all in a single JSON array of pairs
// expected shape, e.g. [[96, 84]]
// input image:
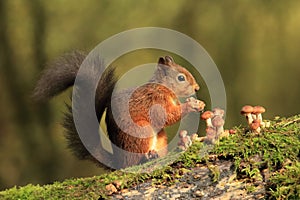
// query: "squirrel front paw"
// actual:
[[194, 105]]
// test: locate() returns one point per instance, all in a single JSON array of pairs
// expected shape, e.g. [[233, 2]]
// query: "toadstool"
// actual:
[[210, 135], [218, 111], [185, 140], [207, 115], [218, 123], [257, 111], [247, 111]]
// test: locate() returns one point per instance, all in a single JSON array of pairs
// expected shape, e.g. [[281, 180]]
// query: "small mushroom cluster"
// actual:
[[254, 118], [185, 140], [214, 124]]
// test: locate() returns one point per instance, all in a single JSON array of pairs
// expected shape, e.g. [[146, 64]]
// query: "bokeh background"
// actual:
[[255, 45]]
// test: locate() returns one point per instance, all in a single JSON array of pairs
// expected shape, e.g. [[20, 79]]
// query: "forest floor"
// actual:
[[243, 165]]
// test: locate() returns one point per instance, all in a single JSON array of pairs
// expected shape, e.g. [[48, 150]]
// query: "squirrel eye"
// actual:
[[181, 78]]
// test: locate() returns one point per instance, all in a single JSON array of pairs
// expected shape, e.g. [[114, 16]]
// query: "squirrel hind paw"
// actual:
[[152, 154]]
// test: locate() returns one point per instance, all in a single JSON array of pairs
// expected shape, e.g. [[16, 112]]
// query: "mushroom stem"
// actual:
[[210, 135], [219, 130], [259, 117], [247, 111], [218, 123], [207, 115], [249, 118], [257, 111], [208, 122]]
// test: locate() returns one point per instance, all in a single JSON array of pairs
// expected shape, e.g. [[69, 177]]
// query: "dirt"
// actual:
[[198, 184]]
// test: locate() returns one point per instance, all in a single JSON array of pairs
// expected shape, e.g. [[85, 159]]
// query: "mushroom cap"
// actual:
[[218, 111], [183, 134], [246, 109], [206, 115], [217, 121], [258, 110], [255, 124]]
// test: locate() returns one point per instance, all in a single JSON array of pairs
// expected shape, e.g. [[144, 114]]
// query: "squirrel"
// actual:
[[151, 107]]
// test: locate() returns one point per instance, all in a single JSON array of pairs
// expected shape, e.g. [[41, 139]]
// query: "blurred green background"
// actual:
[[255, 45]]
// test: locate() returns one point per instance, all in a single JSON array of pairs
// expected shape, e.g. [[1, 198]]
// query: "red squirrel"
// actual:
[[169, 82]]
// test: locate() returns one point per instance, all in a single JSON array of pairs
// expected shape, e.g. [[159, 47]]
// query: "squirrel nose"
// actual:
[[196, 87]]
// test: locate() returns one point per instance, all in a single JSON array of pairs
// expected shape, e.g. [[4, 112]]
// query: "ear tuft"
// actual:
[[169, 59], [162, 61]]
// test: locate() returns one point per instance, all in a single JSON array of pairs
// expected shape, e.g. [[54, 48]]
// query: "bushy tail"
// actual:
[[58, 76], [102, 100]]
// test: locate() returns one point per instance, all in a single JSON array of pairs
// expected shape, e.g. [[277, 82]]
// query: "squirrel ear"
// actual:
[[169, 59], [162, 61], [166, 60], [161, 67]]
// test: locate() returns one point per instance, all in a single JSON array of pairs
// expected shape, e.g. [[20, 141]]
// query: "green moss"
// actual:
[[250, 188], [276, 149], [285, 184], [215, 172]]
